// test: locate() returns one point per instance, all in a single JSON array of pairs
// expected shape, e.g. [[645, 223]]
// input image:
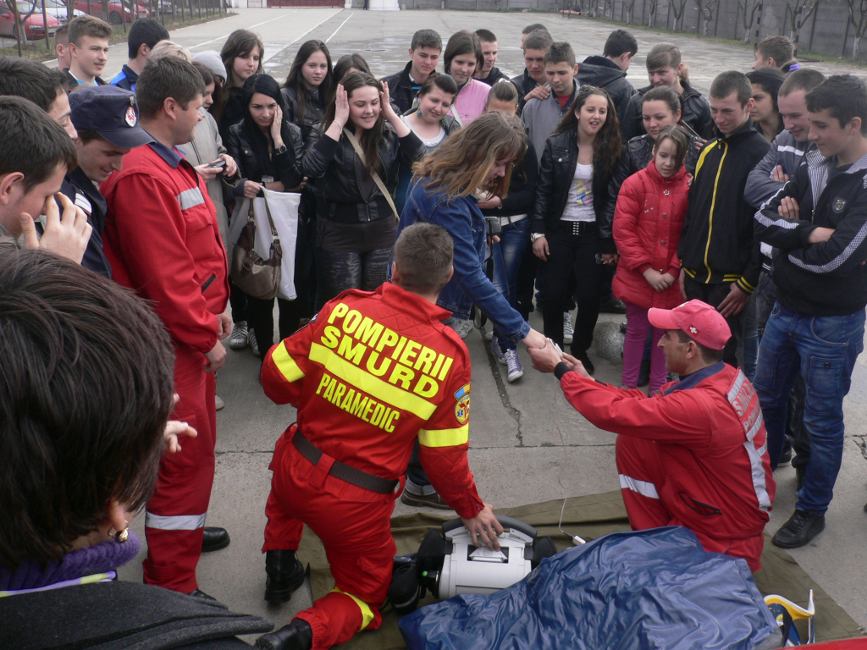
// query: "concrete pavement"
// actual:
[[527, 444]]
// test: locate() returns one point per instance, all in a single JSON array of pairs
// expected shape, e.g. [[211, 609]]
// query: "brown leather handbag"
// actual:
[[251, 273]]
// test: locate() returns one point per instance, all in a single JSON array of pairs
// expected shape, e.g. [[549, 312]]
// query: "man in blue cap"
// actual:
[[107, 121]]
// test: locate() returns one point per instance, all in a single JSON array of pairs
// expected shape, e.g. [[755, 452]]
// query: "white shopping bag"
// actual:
[[284, 213]]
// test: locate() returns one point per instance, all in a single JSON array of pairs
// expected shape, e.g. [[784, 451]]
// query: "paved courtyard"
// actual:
[[527, 444]]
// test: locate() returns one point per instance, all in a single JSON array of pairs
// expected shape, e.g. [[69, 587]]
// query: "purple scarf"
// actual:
[[99, 559]]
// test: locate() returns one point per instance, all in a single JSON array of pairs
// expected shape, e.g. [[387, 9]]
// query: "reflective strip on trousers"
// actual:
[[644, 488], [366, 612], [174, 522]]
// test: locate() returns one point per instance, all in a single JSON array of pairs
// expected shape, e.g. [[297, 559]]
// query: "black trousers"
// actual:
[[714, 294], [571, 272], [339, 270]]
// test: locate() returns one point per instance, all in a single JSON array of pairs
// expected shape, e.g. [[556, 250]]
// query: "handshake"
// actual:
[[546, 358]]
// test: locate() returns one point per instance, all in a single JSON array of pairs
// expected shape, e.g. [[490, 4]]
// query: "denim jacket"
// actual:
[[464, 221]]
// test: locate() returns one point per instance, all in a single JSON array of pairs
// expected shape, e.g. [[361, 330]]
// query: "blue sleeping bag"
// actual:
[[641, 590]]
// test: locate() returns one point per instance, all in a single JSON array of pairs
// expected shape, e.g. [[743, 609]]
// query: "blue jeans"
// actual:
[[824, 349], [755, 316], [507, 256]]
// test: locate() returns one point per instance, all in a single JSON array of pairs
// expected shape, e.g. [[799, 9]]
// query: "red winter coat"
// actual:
[[648, 221]]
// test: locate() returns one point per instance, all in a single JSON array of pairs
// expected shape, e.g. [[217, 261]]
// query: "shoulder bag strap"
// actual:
[[376, 179]]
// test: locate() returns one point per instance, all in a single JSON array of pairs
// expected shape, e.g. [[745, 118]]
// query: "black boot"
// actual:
[[295, 636], [285, 574], [213, 539]]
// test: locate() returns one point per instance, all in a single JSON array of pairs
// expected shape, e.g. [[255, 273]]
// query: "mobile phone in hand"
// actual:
[[219, 163]]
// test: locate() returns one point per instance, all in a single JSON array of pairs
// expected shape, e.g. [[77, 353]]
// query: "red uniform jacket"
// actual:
[[712, 442], [648, 221], [371, 372], [162, 239]]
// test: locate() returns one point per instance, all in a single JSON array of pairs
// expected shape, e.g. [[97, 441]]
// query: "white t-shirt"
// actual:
[[579, 205], [431, 143]]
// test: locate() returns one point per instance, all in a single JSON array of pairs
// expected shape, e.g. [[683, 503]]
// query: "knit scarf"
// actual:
[[92, 564]]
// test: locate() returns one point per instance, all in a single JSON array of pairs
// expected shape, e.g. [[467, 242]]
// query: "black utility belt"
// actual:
[[343, 471], [577, 228]]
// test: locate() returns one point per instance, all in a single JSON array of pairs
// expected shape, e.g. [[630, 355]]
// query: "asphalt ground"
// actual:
[[527, 444]]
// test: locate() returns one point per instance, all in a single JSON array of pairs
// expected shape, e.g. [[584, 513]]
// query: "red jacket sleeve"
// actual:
[[633, 253], [287, 363], [443, 443], [680, 417], [152, 238]]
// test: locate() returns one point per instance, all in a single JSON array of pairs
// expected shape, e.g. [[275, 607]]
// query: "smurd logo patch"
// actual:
[[130, 117], [462, 406], [838, 206]]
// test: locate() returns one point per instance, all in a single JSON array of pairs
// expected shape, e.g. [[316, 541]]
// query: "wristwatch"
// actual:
[[280, 150], [534, 236]]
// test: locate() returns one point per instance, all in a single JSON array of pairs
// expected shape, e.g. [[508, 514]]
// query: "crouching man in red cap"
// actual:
[[694, 454]]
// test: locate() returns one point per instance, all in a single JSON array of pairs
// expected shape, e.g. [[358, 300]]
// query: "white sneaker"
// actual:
[[568, 326], [497, 352], [219, 403], [254, 345], [238, 337], [514, 371]]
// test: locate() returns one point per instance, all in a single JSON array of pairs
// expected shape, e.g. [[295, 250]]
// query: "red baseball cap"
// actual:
[[698, 320]]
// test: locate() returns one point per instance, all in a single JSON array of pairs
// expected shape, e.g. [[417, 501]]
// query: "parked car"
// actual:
[[57, 9], [31, 18], [117, 11]]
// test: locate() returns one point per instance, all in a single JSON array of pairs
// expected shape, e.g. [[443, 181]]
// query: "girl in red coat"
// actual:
[[648, 219]]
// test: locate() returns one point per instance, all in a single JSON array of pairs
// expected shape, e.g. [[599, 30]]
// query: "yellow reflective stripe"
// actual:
[[713, 206], [444, 437], [286, 364], [689, 272], [376, 387], [704, 152], [366, 612]]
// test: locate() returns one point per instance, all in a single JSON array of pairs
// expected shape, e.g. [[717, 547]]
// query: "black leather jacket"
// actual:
[[344, 190], [556, 173], [248, 146], [313, 114], [695, 113]]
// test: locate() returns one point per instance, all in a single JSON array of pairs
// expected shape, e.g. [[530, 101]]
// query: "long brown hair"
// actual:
[[371, 138], [607, 144], [239, 43], [461, 164]]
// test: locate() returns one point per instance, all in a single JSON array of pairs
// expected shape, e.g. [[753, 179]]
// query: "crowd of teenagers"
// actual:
[[440, 192]]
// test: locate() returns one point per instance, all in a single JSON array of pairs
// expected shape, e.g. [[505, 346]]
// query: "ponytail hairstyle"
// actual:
[[678, 135], [503, 90]]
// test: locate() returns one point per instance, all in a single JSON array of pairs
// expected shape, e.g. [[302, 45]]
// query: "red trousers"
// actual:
[[175, 514], [355, 528], [645, 495]]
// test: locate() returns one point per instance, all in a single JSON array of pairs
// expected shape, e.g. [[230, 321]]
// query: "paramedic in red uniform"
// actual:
[[695, 454], [162, 240], [370, 374]]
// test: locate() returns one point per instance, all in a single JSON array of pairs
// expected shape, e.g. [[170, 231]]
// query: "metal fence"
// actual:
[[831, 27], [32, 24]]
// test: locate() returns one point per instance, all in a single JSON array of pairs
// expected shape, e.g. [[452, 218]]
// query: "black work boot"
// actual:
[[295, 636], [284, 575]]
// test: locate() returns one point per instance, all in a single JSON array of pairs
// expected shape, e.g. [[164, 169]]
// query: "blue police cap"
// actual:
[[109, 111]]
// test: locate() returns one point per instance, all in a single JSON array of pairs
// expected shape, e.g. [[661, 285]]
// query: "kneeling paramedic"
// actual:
[[694, 454], [370, 373]]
